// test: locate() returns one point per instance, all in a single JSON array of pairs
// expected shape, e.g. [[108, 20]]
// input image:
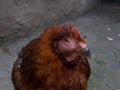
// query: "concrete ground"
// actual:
[[102, 28]]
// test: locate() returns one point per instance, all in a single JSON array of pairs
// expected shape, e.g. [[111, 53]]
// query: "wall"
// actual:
[[19, 18]]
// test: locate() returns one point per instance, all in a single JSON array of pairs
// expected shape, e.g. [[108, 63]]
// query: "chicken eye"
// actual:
[[65, 40]]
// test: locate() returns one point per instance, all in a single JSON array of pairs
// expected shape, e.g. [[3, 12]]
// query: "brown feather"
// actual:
[[42, 67]]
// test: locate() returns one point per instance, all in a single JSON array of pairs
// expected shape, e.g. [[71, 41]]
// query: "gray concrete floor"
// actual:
[[102, 28]]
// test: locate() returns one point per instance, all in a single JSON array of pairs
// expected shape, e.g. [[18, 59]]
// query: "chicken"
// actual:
[[56, 60]]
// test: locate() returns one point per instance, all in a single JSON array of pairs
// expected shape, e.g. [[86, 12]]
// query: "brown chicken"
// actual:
[[57, 60]]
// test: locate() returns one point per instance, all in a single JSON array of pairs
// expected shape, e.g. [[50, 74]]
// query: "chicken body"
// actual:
[[54, 61]]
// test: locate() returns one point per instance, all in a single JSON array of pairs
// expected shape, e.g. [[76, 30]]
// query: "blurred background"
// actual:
[[99, 20]]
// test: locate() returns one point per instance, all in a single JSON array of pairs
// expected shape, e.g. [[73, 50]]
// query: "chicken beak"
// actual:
[[87, 51]]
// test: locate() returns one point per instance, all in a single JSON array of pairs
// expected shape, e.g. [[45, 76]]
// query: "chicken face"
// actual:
[[70, 45]]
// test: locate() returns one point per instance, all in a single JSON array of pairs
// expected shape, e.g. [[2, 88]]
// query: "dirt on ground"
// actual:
[[102, 29]]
